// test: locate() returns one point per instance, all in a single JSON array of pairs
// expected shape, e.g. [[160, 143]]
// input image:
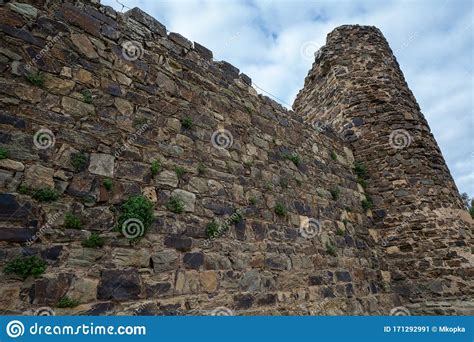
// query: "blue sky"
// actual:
[[273, 42]]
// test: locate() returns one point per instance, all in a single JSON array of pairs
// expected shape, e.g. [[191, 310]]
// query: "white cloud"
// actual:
[[432, 41]]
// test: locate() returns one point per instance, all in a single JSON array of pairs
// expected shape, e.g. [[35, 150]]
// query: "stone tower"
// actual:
[[357, 87]]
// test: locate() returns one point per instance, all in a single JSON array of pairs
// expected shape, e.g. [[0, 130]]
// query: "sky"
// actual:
[[273, 42]]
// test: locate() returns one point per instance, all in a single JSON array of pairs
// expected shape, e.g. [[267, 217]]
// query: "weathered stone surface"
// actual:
[[38, 177], [187, 197], [58, 85], [209, 281], [126, 257], [84, 45], [166, 260], [203, 51], [77, 108], [11, 165], [9, 296], [102, 164], [119, 285], [49, 289], [179, 242], [167, 178], [147, 20], [193, 260], [83, 289], [133, 171]]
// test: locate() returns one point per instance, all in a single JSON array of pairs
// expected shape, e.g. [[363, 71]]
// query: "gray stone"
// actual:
[[77, 108], [38, 177], [23, 9], [167, 178], [203, 51], [166, 260], [133, 170], [147, 20], [102, 164], [250, 281], [188, 198]]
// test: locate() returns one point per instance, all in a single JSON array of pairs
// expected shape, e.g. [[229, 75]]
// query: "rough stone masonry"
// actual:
[[344, 206]]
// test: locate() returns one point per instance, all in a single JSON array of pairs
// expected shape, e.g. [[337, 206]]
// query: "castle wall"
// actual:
[[120, 91], [418, 220]]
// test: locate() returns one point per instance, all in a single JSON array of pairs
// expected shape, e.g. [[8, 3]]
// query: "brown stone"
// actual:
[[84, 45]]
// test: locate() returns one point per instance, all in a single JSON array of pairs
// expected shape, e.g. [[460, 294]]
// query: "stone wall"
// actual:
[[419, 222], [102, 106]]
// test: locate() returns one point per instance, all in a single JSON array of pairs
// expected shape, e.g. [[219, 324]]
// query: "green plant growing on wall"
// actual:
[[108, 184], [361, 172], [339, 231], [294, 157], [331, 249], [139, 122], [72, 221], [78, 161], [333, 155], [284, 182], [36, 78], [26, 266], [335, 192], [252, 200], [93, 241], [155, 167], [201, 169], [236, 217], [187, 122], [86, 96], [23, 189], [137, 208], [175, 204], [180, 171], [367, 203], [66, 302], [4, 153], [44, 195], [280, 209], [212, 229]]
